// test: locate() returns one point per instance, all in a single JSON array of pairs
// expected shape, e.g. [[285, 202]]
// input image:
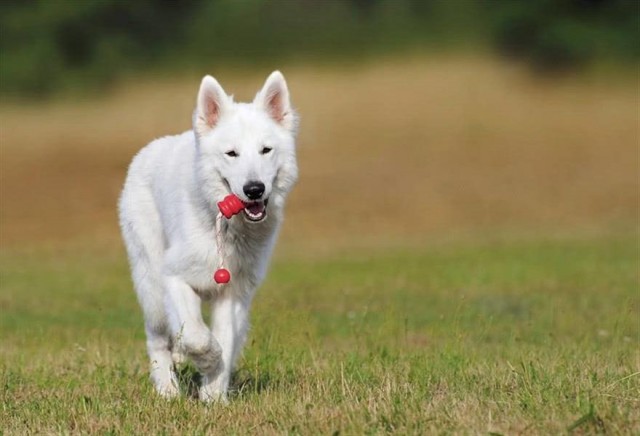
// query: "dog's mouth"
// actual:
[[256, 211]]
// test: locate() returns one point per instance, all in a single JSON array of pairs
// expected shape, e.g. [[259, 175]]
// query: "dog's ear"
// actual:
[[274, 99], [211, 104]]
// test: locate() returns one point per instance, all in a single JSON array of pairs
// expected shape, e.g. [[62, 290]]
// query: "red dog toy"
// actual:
[[222, 276], [229, 206]]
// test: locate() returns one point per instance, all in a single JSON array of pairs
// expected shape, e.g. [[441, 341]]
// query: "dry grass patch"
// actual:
[[388, 151]]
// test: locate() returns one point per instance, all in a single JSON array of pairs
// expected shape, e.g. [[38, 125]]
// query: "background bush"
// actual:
[[554, 34], [51, 46]]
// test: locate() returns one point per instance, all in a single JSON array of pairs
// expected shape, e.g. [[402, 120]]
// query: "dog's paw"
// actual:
[[168, 391], [178, 358], [167, 387], [211, 395]]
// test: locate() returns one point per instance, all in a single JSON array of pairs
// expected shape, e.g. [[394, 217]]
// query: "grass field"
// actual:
[[488, 284], [525, 337]]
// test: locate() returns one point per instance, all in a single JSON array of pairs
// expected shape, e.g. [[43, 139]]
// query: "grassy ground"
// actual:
[[528, 337], [460, 256]]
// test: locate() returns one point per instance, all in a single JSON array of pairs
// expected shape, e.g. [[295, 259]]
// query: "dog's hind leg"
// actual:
[[143, 239], [162, 373], [191, 334], [158, 334]]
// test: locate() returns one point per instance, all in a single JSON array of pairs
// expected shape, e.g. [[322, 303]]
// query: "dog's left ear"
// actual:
[[274, 99]]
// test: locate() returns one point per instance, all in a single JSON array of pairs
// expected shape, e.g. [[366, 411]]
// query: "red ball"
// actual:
[[222, 276]]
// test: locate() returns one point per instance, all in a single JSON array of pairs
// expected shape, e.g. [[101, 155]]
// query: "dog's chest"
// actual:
[[244, 252]]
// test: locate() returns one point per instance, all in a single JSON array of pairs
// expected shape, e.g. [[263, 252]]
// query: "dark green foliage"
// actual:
[[557, 34], [47, 46]]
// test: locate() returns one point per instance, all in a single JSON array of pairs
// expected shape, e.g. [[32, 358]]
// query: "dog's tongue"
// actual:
[[255, 208]]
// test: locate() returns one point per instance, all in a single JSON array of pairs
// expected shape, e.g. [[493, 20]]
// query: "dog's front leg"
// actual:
[[230, 324], [191, 334]]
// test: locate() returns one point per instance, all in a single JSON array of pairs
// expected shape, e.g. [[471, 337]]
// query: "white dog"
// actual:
[[167, 216]]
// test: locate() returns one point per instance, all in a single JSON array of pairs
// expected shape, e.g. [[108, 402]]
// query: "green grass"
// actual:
[[522, 337]]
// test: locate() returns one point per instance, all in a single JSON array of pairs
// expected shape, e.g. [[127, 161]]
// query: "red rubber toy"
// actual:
[[222, 276], [230, 206]]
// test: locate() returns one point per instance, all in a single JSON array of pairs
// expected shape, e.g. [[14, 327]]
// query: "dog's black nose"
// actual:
[[253, 190]]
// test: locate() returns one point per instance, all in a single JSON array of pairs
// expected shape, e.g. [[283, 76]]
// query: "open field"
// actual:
[[401, 150], [461, 255], [517, 339]]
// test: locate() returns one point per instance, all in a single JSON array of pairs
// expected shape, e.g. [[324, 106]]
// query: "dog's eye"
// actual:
[[265, 150], [231, 153]]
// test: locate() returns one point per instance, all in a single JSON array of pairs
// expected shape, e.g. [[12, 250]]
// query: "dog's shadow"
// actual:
[[189, 380], [243, 382]]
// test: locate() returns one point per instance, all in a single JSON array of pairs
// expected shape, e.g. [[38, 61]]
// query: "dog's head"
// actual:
[[246, 149]]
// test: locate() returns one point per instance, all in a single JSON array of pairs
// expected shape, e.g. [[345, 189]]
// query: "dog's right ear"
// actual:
[[211, 104]]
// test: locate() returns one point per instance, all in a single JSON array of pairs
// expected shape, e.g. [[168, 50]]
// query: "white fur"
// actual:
[[167, 216]]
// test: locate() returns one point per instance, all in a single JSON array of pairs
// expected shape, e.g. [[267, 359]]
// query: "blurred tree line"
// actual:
[[52, 45]]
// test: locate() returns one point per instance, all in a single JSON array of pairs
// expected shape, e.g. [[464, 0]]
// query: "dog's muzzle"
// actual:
[[256, 211]]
